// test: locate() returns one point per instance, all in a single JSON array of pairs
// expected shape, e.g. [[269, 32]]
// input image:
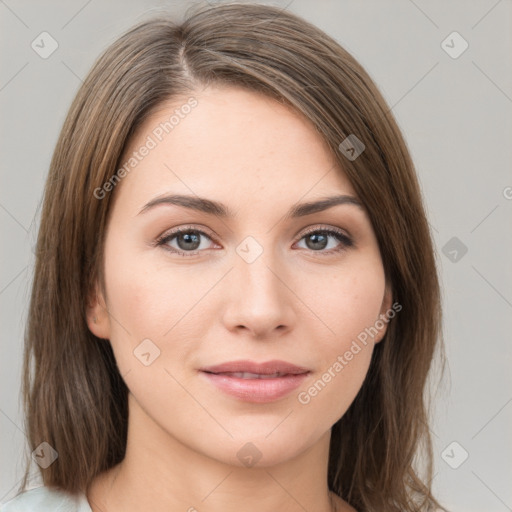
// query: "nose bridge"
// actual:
[[259, 298], [255, 269]]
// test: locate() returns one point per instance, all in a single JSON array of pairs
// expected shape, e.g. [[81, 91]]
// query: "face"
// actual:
[[265, 281]]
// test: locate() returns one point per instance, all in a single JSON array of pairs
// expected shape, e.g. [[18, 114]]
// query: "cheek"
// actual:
[[349, 299], [349, 304], [146, 301]]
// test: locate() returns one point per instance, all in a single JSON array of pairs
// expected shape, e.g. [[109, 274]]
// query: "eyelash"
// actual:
[[346, 241]]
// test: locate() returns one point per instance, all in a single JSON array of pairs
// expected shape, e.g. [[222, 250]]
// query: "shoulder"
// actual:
[[42, 499]]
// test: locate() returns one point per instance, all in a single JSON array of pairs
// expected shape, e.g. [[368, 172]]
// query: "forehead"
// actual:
[[233, 142]]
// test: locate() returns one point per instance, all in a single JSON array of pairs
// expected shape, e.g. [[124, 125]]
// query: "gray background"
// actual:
[[456, 117]]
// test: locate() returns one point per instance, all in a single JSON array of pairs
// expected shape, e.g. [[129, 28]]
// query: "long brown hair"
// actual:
[[74, 397]]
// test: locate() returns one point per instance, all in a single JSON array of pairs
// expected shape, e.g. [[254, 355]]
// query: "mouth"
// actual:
[[256, 382], [248, 375]]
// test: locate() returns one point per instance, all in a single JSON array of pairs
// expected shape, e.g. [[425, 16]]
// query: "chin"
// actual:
[[260, 450]]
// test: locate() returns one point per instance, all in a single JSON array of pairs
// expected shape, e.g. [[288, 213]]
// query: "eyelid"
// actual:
[[317, 227]]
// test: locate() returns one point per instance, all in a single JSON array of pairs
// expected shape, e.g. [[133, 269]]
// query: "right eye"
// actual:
[[188, 241]]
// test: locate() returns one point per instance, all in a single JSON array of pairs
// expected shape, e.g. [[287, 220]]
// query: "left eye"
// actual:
[[318, 240], [189, 241]]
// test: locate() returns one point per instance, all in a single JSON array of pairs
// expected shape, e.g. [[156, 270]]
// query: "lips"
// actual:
[[256, 382], [248, 375], [251, 367]]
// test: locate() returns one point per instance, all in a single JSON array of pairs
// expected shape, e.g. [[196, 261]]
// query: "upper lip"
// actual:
[[266, 368]]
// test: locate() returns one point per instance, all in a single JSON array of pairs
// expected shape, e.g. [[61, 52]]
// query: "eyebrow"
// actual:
[[220, 210]]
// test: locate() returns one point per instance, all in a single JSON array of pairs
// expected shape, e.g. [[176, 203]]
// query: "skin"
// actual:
[[296, 302]]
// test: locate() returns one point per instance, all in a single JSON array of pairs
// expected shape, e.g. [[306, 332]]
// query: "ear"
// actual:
[[381, 323], [98, 319]]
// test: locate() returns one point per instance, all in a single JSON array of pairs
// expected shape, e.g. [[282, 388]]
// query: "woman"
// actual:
[[235, 303]]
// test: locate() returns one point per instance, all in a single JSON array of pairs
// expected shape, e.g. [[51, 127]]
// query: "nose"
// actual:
[[260, 298]]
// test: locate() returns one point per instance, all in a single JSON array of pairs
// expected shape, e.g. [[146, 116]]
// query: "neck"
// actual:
[[161, 474]]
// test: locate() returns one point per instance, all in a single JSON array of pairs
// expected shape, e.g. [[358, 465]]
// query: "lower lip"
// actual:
[[257, 390]]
